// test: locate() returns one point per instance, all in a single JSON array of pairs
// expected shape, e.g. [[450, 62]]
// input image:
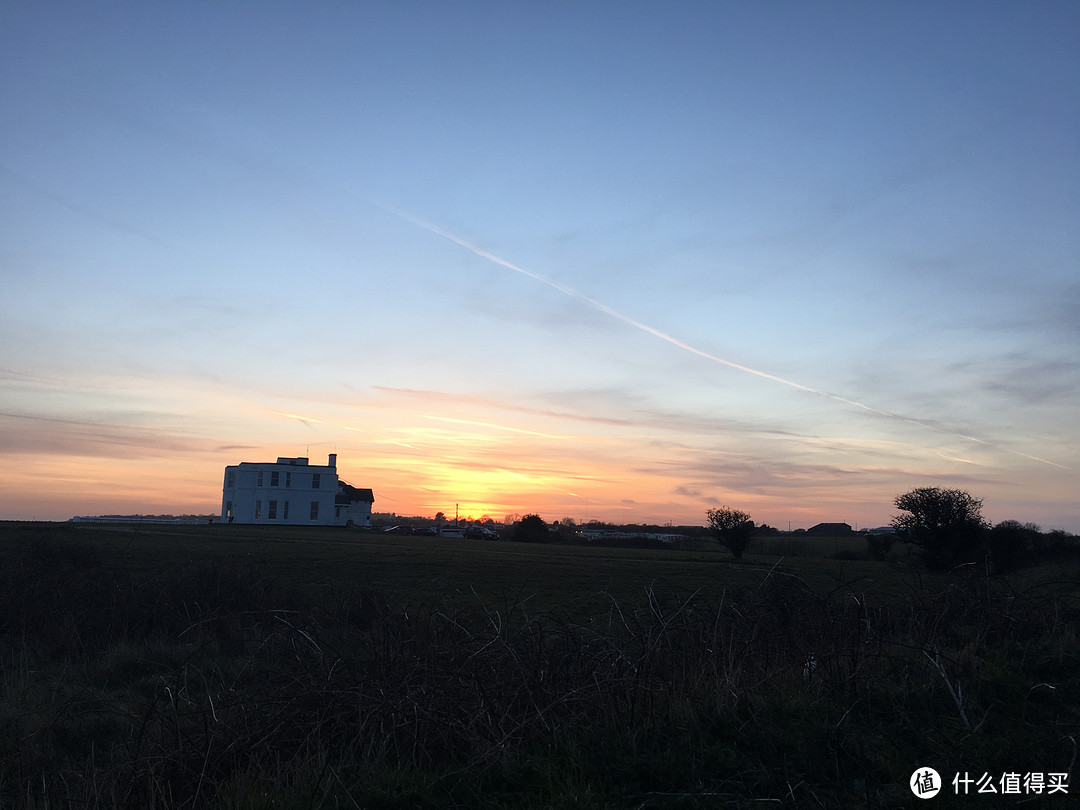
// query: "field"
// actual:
[[242, 667]]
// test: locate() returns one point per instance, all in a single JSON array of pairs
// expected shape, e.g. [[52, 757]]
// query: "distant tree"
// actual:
[[439, 517], [531, 529], [732, 529], [1009, 541], [946, 524], [565, 529]]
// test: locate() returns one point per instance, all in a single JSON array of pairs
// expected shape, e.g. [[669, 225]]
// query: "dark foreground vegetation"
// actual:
[[171, 681]]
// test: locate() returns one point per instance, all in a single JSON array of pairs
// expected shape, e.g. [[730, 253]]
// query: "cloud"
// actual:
[[26, 377], [696, 494], [88, 212], [596, 305], [479, 401], [43, 435], [493, 426], [651, 330], [1030, 380], [710, 472]]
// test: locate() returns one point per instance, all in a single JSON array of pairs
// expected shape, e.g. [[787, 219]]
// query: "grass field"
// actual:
[[568, 578], [230, 666]]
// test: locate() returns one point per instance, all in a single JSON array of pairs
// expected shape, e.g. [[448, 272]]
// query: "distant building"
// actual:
[[292, 492], [616, 534], [829, 529], [352, 506]]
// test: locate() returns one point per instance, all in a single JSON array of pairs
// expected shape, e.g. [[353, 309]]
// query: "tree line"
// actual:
[[944, 526]]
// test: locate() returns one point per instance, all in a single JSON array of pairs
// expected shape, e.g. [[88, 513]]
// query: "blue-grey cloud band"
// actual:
[[674, 341]]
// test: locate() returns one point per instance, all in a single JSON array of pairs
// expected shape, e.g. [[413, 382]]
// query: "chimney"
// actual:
[[333, 460]]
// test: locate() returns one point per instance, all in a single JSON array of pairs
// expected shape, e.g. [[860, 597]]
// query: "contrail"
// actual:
[[644, 327], [674, 341]]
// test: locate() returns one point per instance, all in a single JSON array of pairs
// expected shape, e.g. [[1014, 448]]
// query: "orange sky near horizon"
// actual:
[[170, 486], [423, 452]]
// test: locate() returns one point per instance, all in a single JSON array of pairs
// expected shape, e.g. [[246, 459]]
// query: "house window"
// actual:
[[315, 479], [314, 510], [230, 480], [285, 511], [288, 480], [258, 509], [274, 479], [258, 483], [272, 512], [228, 509]]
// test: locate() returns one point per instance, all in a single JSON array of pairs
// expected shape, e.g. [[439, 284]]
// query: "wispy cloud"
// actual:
[[91, 213], [493, 426], [36, 435], [674, 341], [307, 421], [478, 401]]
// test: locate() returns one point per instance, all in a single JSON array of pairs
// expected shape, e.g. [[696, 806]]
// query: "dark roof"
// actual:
[[347, 493], [830, 529]]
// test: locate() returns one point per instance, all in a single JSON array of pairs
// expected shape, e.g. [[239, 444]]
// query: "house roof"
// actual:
[[829, 528]]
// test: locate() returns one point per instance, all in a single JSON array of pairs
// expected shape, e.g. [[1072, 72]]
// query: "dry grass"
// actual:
[[157, 671]]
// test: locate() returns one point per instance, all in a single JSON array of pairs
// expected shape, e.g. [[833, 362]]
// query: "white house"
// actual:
[[352, 506], [292, 492]]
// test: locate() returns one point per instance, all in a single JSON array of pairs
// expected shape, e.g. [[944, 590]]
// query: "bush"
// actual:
[[945, 524], [531, 529], [732, 528], [880, 545]]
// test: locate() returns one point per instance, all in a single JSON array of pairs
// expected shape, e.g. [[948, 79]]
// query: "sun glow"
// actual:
[[475, 455]]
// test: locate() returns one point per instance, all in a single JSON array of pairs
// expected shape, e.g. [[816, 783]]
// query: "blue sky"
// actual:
[[622, 261]]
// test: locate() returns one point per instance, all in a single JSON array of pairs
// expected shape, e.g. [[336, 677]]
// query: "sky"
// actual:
[[612, 261]]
